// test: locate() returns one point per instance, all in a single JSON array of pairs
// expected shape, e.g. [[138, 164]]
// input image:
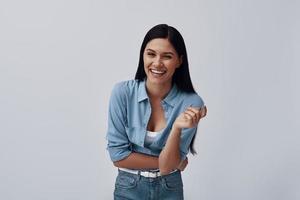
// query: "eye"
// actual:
[[150, 54], [167, 57]]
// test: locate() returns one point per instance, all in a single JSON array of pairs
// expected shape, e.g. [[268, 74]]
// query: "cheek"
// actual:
[[146, 61], [171, 65], [146, 64]]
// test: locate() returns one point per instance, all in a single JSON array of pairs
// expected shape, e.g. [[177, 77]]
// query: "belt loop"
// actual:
[[139, 175], [156, 174]]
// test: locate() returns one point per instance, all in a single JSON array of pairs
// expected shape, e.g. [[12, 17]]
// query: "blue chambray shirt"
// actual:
[[129, 113]]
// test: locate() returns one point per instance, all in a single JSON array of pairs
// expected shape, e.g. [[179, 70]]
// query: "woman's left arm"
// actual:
[[170, 157]]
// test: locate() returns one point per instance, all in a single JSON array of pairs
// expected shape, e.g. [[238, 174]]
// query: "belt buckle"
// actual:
[[150, 174]]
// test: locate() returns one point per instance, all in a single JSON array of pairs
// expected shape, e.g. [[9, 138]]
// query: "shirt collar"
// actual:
[[142, 93], [169, 99]]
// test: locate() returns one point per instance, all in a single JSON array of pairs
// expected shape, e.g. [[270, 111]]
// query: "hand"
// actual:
[[190, 117], [182, 165], [203, 111]]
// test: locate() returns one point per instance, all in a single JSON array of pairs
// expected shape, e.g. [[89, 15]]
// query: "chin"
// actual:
[[157, 81]]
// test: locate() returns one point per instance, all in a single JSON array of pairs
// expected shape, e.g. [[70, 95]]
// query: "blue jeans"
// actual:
[[136, 187]]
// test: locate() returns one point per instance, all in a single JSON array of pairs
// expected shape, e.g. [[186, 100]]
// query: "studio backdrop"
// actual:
[[60, 59]]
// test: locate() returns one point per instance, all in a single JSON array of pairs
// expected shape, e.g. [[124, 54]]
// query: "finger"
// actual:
[[196, 111], [192, 115], [203, 111], [186, 161], [184, 164], [196, 114], [181, 165], [188, 116], [190, 120], [199, 114]]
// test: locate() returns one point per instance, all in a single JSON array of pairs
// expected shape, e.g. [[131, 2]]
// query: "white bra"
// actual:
[[151, 136]]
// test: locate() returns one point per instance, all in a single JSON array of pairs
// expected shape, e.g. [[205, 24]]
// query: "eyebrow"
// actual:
[[162, 53]]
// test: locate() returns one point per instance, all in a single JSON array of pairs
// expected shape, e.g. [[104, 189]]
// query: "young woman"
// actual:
[[153, 120]]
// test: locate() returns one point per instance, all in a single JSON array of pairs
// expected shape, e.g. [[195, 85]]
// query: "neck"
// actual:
[[158, 91]]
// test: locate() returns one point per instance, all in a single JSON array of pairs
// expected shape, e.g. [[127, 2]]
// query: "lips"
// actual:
[[157, 72]]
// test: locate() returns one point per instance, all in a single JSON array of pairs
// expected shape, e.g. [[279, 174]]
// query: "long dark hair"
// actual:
[[181, 76]]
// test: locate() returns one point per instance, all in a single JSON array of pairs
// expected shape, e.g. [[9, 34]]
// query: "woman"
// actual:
[[153, 120]]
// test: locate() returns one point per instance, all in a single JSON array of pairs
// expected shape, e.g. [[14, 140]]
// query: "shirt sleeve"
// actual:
[[118, 144], [187, 134]]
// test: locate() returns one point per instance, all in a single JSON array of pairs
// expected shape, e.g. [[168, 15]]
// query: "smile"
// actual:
[[157, 72]]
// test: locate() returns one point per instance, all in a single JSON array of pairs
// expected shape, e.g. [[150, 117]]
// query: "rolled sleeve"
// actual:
[[118, 144], [188, 133]]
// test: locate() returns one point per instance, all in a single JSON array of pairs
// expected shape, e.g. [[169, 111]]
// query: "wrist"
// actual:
[[176, 128]]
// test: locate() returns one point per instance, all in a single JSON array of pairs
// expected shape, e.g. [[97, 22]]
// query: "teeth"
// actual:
[[157, 72]]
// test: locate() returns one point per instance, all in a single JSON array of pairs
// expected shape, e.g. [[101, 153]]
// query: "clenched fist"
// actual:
[[190, 117]]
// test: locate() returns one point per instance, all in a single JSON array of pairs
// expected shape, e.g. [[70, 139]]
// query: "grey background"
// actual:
[[60, 59]]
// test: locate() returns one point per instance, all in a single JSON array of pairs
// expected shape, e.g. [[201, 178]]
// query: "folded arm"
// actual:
[[138, 161]]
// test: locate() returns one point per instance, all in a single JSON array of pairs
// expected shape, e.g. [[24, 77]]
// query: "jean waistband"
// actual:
[[148, 174]]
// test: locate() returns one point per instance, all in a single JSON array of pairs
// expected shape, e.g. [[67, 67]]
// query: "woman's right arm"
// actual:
[[119, 146], [142, 161], [138, 161]]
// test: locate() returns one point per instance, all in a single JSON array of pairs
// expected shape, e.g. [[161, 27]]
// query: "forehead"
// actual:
[[160, 45]]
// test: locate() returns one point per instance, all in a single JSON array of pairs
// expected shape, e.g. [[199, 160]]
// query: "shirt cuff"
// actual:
[[118, 155]]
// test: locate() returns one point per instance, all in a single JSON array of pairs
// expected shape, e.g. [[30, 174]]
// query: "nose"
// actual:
[[157, 62]]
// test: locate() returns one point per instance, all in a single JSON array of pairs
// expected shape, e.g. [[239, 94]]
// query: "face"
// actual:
[[160, 61]]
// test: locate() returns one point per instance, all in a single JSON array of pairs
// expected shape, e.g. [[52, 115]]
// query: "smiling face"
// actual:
[[160, 61]]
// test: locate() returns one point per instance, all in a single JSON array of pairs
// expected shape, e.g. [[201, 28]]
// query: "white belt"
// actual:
[[148, 174]]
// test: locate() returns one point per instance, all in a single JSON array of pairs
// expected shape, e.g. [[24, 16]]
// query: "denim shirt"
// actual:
[[129, 113]]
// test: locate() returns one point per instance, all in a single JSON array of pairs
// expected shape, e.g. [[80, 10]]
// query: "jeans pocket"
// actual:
[[173, 183], [125, 181]]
